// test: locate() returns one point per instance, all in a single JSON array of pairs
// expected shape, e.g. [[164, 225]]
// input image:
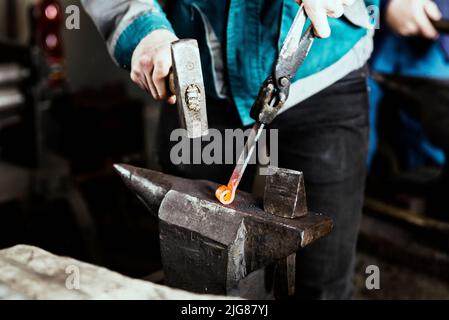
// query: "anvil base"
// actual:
[[209, 248]]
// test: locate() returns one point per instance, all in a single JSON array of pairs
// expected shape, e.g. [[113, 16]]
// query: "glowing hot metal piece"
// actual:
[[226, 194]]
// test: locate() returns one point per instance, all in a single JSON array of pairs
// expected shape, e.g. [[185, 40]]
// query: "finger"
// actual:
[[319, 21], [146, 67], [137, 79], [143, 86], [348, 2], [172, 100], [334, 9], [149, 83], [425, 26], [160, 75], [410, 29], [432, 10]]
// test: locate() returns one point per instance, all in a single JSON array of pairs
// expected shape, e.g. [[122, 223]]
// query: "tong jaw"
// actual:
[[269, 101]]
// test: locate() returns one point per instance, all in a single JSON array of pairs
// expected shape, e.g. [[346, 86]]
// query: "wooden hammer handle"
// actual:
[[442, 25], [171, 82]]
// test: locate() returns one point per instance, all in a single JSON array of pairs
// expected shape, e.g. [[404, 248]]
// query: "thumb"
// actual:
[[319, 21]]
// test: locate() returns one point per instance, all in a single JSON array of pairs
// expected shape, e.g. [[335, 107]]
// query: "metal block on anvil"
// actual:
[[285, 194], [207, 247]]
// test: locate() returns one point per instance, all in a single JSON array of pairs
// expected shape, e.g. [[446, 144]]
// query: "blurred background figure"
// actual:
[[410, 106]]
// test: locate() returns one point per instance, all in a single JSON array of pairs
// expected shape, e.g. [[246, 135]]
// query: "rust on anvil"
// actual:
[[152, 186]]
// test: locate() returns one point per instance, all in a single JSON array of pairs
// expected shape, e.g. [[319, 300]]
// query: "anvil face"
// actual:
[[216, 246], [151, 187]]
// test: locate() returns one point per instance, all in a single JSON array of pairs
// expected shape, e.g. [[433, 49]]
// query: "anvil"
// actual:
[[207, 247]]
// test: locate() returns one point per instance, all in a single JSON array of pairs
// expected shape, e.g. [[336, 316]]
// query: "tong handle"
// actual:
[[294, 50]]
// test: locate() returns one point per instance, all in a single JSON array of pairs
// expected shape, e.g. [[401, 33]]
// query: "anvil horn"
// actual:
[[149, 186]]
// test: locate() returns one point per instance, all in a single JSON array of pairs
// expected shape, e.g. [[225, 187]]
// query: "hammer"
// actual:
[[186, 82]]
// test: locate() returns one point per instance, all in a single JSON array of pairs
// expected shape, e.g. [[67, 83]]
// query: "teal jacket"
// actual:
[[239, 39]]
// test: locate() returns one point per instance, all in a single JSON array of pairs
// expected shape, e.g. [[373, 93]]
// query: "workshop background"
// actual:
[[67, 114]]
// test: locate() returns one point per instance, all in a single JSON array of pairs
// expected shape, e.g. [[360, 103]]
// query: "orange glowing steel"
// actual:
[[226, 194]]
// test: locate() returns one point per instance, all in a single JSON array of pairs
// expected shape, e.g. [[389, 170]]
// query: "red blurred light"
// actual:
[[51, 41], [51, 11]]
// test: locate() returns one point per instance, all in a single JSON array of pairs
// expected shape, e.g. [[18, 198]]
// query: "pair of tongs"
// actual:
[[272, 96]]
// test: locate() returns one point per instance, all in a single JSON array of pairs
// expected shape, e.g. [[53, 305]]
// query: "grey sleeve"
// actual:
[[106, 14], [123, 23]]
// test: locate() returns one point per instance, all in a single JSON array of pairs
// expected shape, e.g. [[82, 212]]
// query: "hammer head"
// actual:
[[189, 87]]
